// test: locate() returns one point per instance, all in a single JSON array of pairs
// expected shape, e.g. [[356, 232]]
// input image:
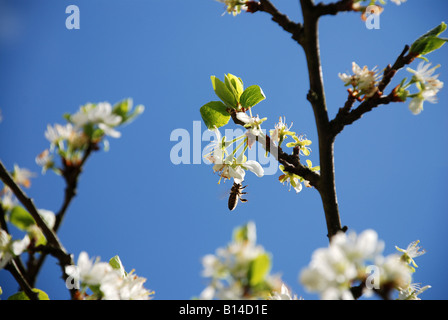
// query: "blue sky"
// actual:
[[161, 218]]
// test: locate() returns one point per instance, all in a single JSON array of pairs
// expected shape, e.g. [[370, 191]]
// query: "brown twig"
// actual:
[[52, 239], [281, 19], [71, 173], [334, 8], [18, 275]]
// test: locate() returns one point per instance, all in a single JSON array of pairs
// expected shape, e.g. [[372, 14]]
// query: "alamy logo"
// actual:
[[373, 278], [72, 21], [190, 149], [372, 16]]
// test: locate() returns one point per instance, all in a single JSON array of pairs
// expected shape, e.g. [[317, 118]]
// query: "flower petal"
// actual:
[[255, 167]]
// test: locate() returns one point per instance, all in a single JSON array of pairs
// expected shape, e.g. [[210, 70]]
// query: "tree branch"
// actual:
[[71, 173], [316, 96], [13, 268], [64, 258], [291, 162], [345, 116], [281, 19], [334, 8]]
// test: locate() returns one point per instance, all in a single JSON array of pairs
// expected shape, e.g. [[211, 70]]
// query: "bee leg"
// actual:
[[243, 200]]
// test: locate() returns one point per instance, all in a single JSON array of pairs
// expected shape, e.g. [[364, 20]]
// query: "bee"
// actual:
[[235, 195]]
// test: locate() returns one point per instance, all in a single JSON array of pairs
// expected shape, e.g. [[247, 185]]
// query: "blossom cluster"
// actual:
[[362, 5], [106, 281], [230, 161], [241, 271], [363, 80], [84, 130], [226, 163], [234, 7], [350, 259], [427, 84]]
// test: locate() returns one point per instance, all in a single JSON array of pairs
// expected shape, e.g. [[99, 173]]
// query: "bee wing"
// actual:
[[224, 192]]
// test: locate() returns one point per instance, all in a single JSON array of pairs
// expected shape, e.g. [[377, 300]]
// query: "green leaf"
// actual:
[[214, 113], [427, 45], [251, 96], [224, 93], [240, 234], [21, 218], [234, 84], [122, 108], [429, 41], [22, 295], [259, 268], [115, 262], [435, 31]]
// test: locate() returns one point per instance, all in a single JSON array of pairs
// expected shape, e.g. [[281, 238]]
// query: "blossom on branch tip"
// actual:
[[425, 77], [301, 143], [228, 165], [363, 80], [280, 132], [412, 251], [57, 134], [22, 176], [100, 114], [217, 147], [412, 292], [309, 164], [234, 6], [416, 104], [236, 168], [45, 160], [11, 248], [106, 281], [253, 124], [394, 273], [290, 178]]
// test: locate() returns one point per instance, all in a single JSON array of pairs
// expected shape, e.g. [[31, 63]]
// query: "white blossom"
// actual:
[[253, 124], [284, 294], [229, 269], [393, 271], [22, 176], [57, 133], [100, 114], [114, 284], [363, 79], [416, 104], [334, 269], [425, 76], [45, 160], [329, 273], [10, 248], [412, 292], [89, 271], [234, 6], [358, 248], [412, 251]]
